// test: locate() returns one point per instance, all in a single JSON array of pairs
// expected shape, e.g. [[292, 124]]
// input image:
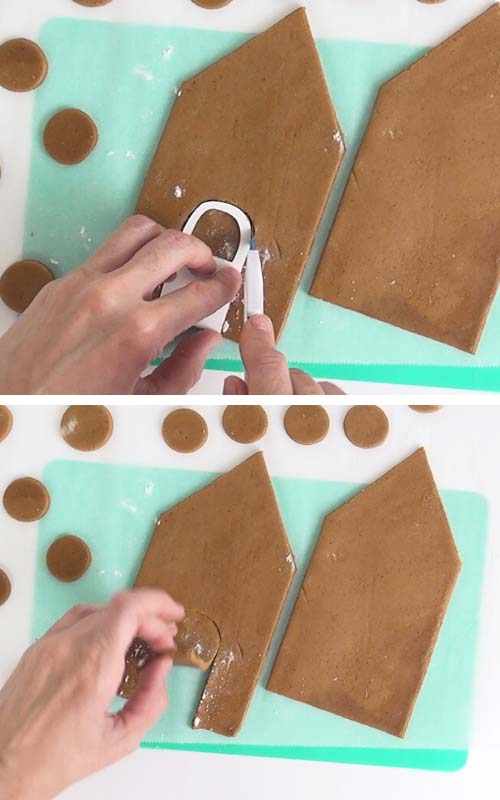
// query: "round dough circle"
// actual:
[[4, 587], [212, 4], [307, 424], [184, 430], [23, 65], [21, 282], [26, 499], [366, 426], [92, 3], [86, 428], [68, 558], [245, 424], [426, 409], [70, 136], [5, 422]]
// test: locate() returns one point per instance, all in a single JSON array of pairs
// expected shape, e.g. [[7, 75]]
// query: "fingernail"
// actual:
[[261, 323]]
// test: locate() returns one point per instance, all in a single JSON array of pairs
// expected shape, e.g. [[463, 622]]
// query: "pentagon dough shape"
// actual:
[[224, 551], [372, 603], [257, 129], [415, 241]]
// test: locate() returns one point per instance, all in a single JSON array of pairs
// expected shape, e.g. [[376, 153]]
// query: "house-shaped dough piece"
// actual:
[[416, 241], [224, 552], [372, 603], [258, 130]]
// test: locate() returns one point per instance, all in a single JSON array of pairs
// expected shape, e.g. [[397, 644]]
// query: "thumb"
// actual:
[[266, 368]]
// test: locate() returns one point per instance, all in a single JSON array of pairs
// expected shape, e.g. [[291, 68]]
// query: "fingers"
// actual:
[[184, 308], [145, 614], [234, 385], [303, 383], [330, 388], [124, 243], [162, 257], [147, 705], [266, 368], [179, 373]]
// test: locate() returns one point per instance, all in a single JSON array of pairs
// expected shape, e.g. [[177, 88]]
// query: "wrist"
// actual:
[[16, 783]]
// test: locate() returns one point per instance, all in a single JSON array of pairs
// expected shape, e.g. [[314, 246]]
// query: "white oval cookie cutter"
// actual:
[[215, 321]]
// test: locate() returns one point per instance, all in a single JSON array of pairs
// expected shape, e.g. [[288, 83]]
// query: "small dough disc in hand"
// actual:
[[86, 428], [4, 587], [5, 422], [245, 424], [426, 409], [307, 424], [68, 558], [26, 499], [366, 426], [70, 136], [23, 65], [21, 282], [184, 430]]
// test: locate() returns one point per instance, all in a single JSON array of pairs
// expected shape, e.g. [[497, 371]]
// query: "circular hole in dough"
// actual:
[[21, 282], [426, 409], [245, 424], [86, 428], [5, 587], [184, 430], [26, 499], [70, 136], [366, 426], [23, 65], [307, 424], [5, 422], [212, 4], [68, 558]]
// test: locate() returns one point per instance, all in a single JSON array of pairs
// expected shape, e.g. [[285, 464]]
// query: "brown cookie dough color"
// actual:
[[184, 430], [68, 558], [86, 427], [23, 65], [26, 499], [245, 424], [5, 422], [92, 3], [426, 409], [70, 136], [4, 587], [21, 282], [366, 426], [212, 4], [307, 424]]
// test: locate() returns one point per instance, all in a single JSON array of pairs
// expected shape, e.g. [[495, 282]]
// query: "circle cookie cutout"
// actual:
[[5, 587], [21, 282], [92, 3], [68, 558], [366, 426], [184, 430], [23, 65], [426, 409], [5, 422], [70, 136], [26, 499], [86, 428], [211, 5], [245, 424], [307, 424]]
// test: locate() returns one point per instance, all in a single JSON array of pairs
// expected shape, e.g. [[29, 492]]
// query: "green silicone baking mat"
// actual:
[[114, 509], [126, 76]]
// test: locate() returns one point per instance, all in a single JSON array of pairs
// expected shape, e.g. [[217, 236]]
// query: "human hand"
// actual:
[[54, 723], [266, 369], [97, 329]]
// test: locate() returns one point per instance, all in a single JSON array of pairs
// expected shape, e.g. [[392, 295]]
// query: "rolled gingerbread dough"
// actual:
[[23, 65], [68, 558], [307, 424], [5, 422], [366, 426], [5, 587], [184, 430], [26, 499], [245, 424], [21, 282], [86, 428], [70, 136]]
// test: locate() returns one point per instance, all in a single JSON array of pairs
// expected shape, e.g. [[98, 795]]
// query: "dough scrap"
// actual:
[[86, 428], [212, 4], [23, 65], [5, 587], [184, 430], [415, 241], [198, 641], [21, 282], [224, 551], [138, 656], [366, 426], [245, 424], [68, 558], [426, 409], [372, 603], [92, 3], [26, 499], [5, 422], [307, 424], [263, 135], [70, 136]]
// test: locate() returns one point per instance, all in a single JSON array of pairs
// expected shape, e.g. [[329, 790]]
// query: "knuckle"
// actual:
[[175, 238], [121, 601], [100, 298], [140, 223], [272, 361]]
